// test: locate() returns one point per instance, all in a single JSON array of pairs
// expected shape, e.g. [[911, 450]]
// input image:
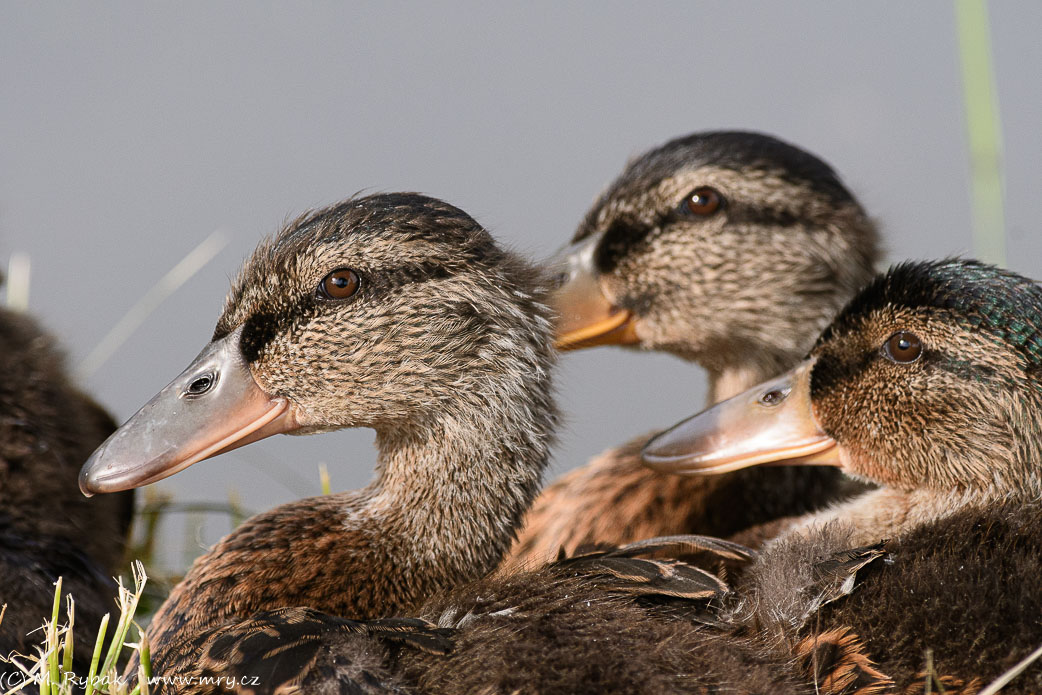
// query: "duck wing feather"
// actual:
[[300, 650]]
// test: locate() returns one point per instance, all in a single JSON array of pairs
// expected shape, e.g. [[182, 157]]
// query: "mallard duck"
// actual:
[[398, 312], [728, 249], [48, 428], [929, 384]]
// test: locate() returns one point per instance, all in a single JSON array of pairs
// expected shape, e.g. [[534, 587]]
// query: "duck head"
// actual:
[[928, 379], [390, 311], [715, 247]]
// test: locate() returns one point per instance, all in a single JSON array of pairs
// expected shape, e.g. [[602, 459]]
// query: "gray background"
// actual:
[[130, 131]]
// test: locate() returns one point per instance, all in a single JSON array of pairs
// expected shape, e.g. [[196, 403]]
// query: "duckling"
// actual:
[[395, 312], [728, 249], [48, 428], [398, 312], [928, 384]]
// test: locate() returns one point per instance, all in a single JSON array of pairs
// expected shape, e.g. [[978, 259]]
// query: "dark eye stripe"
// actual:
[[621, 238], [269, 321], [831, 374], [262, 326]]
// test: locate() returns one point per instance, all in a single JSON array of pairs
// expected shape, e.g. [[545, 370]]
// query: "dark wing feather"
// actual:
[[293, 650], [643, 577], [411, 632], [835, 575], [687, 544], [627, 569]]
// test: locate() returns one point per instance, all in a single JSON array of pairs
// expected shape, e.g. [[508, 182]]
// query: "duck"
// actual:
[[728, 249], [928, 385], [399, 312], [48, 428]]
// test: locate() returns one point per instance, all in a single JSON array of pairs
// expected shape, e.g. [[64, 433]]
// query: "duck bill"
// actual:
[[585, 317], [213, 406], [772, 423]]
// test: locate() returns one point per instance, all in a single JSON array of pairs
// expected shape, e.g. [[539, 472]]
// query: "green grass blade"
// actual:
[[145, 654], [70, 642], [144, 669], [128, 601], [52, 679], [96, 657], [323, 477], [983, 129], [57, 601]]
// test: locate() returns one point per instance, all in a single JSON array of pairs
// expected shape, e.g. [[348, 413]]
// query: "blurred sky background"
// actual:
[[131, 131]]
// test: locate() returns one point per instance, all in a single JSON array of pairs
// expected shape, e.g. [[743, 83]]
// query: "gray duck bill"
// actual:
[[213, 406], [772, 423]]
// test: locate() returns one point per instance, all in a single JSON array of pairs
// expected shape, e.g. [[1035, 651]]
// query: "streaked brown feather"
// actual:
[[625, 570], [838, 663], [299, 648], [836, 575]]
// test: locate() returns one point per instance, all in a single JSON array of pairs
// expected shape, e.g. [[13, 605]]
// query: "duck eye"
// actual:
[[903, 347], [703, 201], [340, 284]]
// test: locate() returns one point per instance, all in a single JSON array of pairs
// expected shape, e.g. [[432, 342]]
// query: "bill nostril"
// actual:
[[201, 385], [774, 396], [558, 280]]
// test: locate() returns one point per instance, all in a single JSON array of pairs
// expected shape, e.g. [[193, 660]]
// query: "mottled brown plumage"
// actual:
[[950, 430], [954, 438], [47, 529], [445, 350], [571, 644], [299, 650], [964, 588], [616, 497], [955, 427], [742, 292], [571, 627], [837, 663]]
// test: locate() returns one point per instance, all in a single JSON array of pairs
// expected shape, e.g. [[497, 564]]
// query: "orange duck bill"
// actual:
[[213, 406], [770, 423], [585, 317]]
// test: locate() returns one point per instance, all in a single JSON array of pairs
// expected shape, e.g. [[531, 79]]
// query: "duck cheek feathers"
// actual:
[[213, 406], [770, 423]]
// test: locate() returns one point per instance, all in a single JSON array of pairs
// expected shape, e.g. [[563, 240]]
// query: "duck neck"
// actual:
[[450, 494], [444, 507], [890, 512]]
